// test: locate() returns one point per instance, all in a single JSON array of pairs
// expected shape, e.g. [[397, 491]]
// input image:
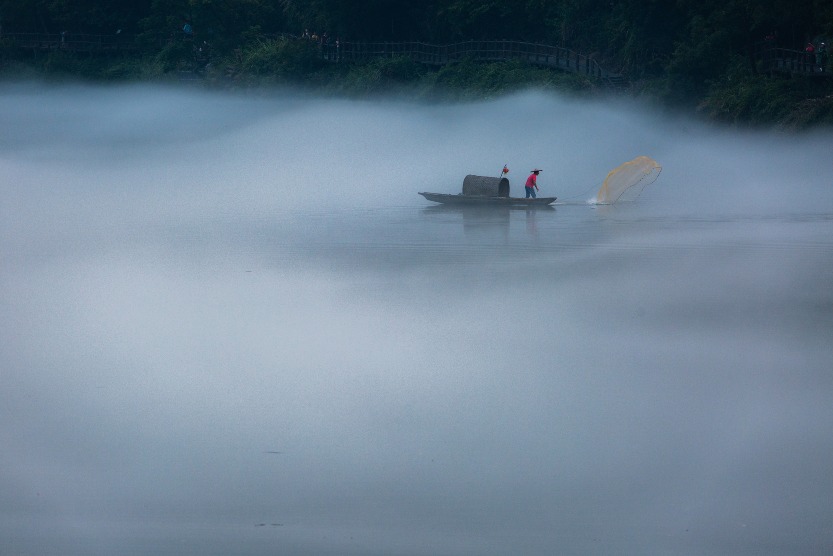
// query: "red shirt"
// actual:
[[531, 181]]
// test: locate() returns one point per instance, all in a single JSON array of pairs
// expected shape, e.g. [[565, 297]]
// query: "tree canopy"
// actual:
[[630, 27], [688, 47]]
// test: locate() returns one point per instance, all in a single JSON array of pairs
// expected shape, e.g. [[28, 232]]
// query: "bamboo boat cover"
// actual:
[[485, 186]]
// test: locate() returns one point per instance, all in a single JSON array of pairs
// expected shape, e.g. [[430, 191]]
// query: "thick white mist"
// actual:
[[229, 324], [279, 151]]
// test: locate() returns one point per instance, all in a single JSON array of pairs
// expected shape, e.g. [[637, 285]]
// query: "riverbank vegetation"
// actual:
[[703, 57]]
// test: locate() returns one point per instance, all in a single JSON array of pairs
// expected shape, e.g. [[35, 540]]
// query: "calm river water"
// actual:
[[229, 325]]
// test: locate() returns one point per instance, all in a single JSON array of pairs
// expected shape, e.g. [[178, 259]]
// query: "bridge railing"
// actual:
[[540, 54], [785, 60], [487, 50]]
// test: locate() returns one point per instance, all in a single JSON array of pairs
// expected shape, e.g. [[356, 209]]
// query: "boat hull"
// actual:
[[477, 200]]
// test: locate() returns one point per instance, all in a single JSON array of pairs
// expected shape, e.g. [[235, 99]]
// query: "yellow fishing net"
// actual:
[[628, 180]]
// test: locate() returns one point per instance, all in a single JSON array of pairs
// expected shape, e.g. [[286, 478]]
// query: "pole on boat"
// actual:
[[504, 171]]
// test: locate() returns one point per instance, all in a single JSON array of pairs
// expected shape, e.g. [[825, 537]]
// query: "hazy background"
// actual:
[[229, 325]]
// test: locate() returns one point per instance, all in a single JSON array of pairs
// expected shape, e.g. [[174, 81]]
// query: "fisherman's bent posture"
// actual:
[[532, 183]]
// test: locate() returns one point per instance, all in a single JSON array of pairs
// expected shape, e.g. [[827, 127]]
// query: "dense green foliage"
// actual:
[[695, 54]]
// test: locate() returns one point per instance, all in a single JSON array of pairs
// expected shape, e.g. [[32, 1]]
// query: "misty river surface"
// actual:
[[229, 325]]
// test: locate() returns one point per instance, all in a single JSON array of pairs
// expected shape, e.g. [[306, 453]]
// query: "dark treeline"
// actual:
[[687, 50], [644, 34]]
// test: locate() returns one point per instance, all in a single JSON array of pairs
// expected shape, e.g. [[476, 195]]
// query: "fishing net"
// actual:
[[628, 180]]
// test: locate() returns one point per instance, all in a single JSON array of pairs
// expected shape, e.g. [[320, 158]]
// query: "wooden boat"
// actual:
[[480, 200], [487, 191]]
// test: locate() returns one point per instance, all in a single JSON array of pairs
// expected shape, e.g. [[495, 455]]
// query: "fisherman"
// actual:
[[532, 183]]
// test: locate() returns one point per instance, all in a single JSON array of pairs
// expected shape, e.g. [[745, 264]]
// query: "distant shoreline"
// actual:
[[754, 101]]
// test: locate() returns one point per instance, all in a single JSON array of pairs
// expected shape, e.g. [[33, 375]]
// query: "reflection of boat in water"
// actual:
[[484, 191]]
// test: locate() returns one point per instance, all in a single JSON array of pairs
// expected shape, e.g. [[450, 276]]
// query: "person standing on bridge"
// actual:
[[810, 53], [532, 183]]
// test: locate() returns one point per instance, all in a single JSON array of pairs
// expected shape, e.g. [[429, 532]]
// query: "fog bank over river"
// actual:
[[229, 325]]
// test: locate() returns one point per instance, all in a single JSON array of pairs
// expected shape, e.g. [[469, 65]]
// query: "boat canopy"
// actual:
[[484, 186]]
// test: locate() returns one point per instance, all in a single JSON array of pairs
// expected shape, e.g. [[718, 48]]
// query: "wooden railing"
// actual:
[[770, 59], [784, 60], [539, 54]]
